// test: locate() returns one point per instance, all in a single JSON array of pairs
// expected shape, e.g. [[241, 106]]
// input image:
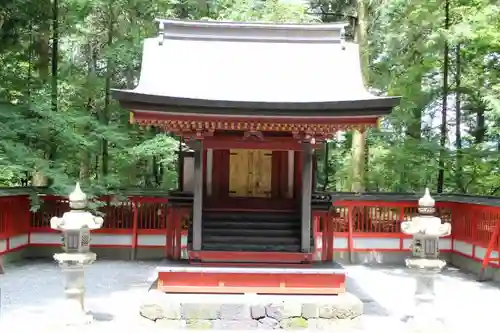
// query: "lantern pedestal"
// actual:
[[425, 272], [73, 266]]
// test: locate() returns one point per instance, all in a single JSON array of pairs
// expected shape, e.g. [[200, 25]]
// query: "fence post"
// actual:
[[328, 245], [350, 228], [135, 218]]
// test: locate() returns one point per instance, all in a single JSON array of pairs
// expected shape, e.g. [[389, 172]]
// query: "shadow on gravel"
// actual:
[[101, 316], [371, 307]]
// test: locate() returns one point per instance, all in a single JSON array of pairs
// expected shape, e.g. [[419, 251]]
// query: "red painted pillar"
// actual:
[[171, 222]]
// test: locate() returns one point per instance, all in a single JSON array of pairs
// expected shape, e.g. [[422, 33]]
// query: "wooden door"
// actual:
[[261, 173], [239, 174], [250, 173]]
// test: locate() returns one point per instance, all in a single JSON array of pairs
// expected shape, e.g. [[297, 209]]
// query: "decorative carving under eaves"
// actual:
[[255, 135], [196, 128], [199, 134], [311, 137]]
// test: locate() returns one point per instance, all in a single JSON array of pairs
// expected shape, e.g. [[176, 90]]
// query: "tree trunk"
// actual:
[[86, 155], [359, 138], [54, 71], [326, 167], [415, 125], [442, 141], [107, 97], [42, 45], [458, 122], [480, 131]]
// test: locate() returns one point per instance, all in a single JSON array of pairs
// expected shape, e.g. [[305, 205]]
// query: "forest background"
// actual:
[[60, 58]]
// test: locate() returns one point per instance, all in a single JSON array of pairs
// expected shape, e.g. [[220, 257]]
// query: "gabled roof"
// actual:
[[254, 66]]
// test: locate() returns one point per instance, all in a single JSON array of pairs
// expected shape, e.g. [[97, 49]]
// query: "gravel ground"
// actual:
[[32, 293]]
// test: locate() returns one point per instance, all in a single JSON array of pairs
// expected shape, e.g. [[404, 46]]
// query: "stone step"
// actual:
[[208, 246], [262, 225], [251, 240], [210, 231], [251, 216], [240, 226], [251, 231]]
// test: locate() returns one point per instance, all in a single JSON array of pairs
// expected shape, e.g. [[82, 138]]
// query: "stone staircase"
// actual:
[[251, 232]]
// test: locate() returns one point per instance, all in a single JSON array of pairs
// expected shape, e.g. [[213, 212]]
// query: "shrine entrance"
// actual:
[[250, 173], [251, 167]]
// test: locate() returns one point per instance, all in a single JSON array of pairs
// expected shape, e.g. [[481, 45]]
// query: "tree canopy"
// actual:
[[59, 61]]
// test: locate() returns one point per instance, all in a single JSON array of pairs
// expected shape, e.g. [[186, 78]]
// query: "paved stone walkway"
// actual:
[[32, 293]]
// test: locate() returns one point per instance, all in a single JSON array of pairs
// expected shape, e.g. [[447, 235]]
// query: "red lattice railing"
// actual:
[[473, 224]]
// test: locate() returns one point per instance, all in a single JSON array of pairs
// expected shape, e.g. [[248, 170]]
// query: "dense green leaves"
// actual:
[[88, 137], [406, 44]]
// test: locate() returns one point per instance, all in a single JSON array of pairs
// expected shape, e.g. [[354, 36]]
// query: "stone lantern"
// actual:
[[75, 226], [426, 230]]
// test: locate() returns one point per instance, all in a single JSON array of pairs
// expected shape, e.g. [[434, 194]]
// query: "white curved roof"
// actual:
[[242, 62]]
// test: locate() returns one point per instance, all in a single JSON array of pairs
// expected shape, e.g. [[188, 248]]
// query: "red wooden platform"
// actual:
[[325, 279]]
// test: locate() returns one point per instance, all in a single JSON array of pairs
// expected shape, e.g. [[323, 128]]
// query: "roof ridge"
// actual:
[[251, 31]]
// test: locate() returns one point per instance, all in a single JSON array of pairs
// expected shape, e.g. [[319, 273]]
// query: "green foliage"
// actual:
[[406, 45], [80, 133], [83, 135]]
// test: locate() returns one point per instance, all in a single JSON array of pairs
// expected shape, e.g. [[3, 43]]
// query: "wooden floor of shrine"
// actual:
[[311, 279]]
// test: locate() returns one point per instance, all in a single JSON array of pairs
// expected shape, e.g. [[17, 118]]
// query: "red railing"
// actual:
[[133, 216], [14, 216], [348, 222], [349, 226]]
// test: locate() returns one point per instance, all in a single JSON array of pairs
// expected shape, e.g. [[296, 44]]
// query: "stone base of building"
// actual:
[[208, 311], [470, 265], [13, 256]]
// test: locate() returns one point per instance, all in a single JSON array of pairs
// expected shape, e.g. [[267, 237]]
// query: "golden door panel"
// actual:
[[250, 173], [238, 172], [261, 169]]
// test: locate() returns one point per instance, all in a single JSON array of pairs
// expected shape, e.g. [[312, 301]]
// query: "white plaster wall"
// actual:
[[445, 244], [376, 243], [481, 253], [462, 247], [188, 174], [151, 240], [340, 242], [18, 241], [3, 245], [45, 238], [107, 239]]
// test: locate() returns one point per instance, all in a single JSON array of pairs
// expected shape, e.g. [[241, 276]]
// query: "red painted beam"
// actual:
[[275, 144], [245, 282], [152, 115]]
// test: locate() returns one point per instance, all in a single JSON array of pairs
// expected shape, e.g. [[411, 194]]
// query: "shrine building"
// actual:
[[253, 101]]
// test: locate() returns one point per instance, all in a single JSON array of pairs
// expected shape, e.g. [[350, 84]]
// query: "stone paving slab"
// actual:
[[249, 312]]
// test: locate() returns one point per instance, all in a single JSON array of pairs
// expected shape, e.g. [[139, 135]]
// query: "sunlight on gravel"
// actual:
[[32, 295]]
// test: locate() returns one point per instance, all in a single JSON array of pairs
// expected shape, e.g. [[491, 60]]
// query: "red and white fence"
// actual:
[[349, 227], [374, 226], [141, 222]]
